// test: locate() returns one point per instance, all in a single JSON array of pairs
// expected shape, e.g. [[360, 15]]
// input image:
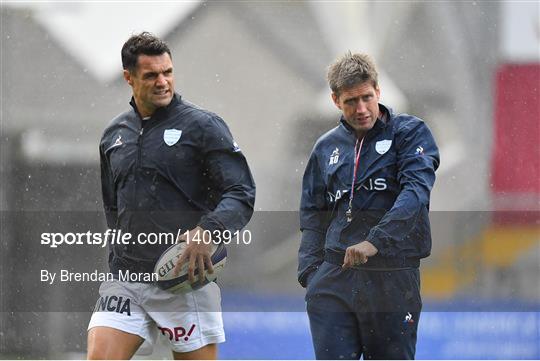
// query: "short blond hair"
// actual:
[[350, 70]]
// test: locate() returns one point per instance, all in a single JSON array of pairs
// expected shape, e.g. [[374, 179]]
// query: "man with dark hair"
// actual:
[[166, 165], [143, 44], [364, 221]]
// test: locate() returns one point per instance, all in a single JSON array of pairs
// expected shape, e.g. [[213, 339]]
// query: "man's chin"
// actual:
[[163, 102], [364, 128]]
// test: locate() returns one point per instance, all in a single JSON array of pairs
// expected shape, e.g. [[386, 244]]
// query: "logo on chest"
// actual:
[[382, 146], [171, 136], [377, 184]]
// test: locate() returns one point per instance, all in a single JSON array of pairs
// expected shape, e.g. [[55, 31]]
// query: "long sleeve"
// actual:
[[417, 160], [108, 191], [313, 220], [228, 171]]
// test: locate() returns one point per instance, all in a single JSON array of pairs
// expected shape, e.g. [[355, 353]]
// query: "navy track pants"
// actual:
[[365, 313]]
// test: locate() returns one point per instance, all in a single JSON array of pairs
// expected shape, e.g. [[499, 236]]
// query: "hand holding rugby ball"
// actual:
[[178, 283]]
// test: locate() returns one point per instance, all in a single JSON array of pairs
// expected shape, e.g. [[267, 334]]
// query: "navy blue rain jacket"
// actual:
[[395, 176], [176, 170]]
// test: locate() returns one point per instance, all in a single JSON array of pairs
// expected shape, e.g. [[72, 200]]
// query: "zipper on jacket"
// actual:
[[139, 146], [138, 167]]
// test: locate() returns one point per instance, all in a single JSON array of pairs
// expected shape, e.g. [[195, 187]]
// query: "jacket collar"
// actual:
[[385, 117], [160, 112]]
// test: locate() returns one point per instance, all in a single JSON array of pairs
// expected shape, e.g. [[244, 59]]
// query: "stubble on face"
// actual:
[[360, 106], [152, 82]]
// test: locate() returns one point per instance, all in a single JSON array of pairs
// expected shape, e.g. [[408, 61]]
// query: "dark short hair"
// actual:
[[143, 43], [350, 70]]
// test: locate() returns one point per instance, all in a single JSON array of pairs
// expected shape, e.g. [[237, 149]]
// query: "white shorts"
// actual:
[[188, 321]]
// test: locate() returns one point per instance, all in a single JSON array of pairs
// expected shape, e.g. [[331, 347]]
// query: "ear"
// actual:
[[335, 98], [127, 77], [378, 92]]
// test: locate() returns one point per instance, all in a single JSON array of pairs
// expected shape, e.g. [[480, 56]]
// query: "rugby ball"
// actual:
[[180, 283]]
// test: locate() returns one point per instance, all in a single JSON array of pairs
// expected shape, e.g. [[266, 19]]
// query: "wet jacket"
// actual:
[[390, 207], [176, 170]]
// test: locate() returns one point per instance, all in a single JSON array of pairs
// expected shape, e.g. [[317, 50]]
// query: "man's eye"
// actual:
[[149, 76]]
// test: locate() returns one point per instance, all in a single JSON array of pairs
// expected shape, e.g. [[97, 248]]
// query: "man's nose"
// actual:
[[161, 80], [361, 107]]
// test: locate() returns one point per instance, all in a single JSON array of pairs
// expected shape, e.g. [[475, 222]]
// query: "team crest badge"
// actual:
[[171, 136], [383, 146]]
